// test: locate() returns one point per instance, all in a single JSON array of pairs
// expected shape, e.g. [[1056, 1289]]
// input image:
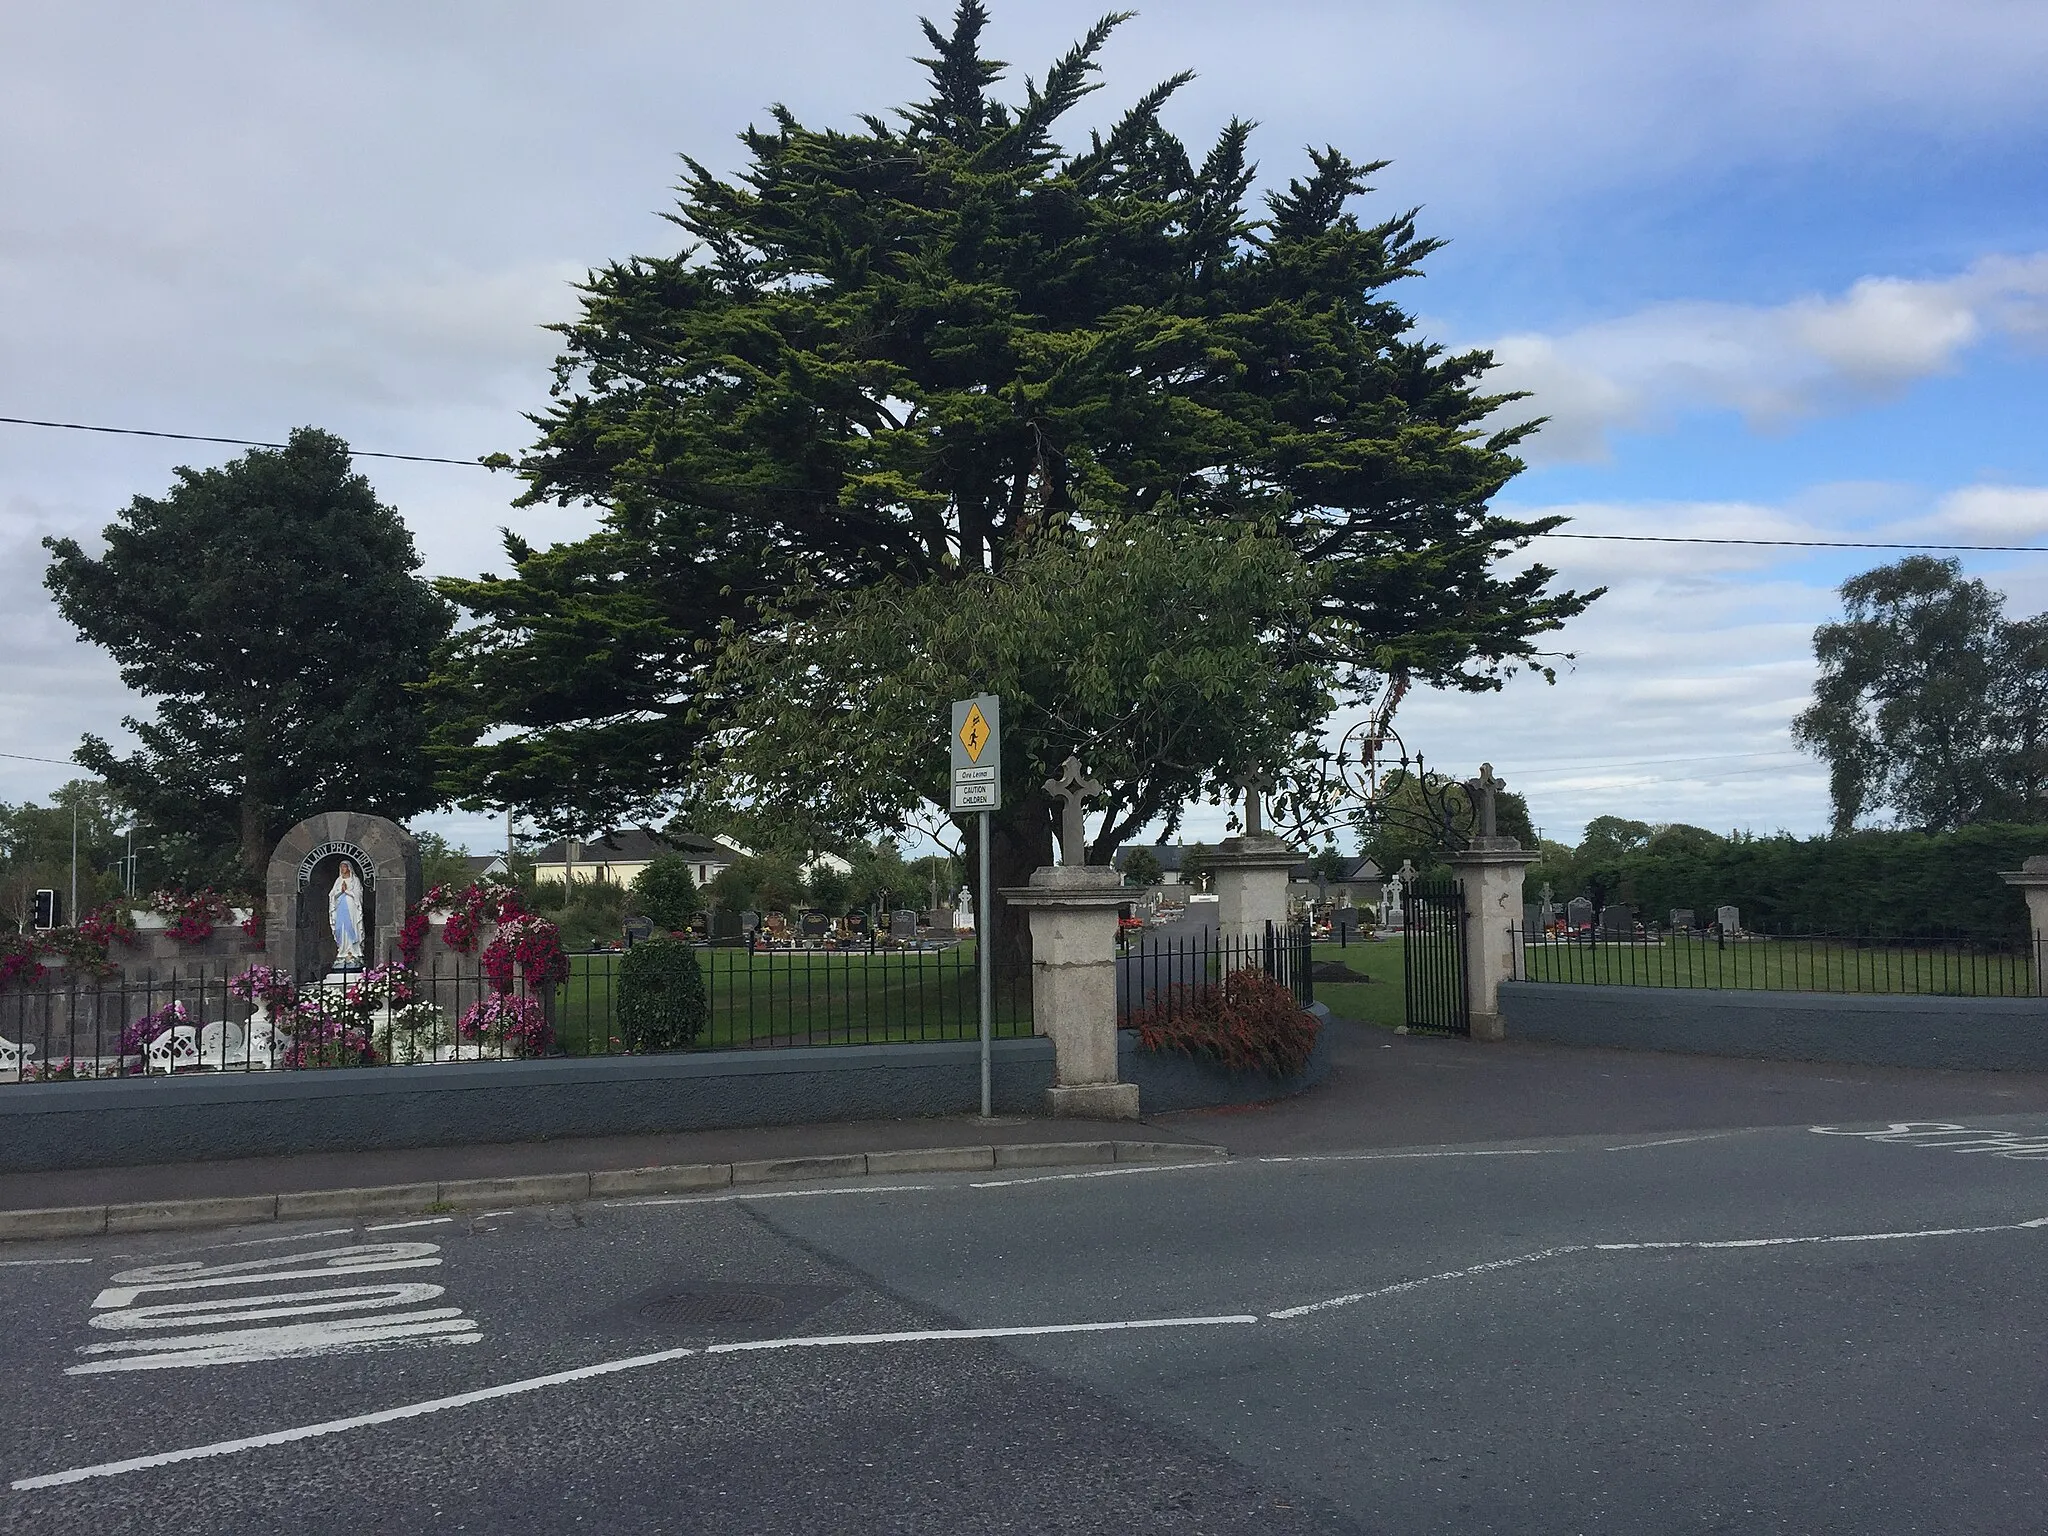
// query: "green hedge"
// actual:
[[1883, 883], [662, 1003]]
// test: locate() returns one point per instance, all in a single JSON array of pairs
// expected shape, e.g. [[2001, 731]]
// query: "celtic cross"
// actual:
[[1075, 786], [1254, 786], [1484, 790]]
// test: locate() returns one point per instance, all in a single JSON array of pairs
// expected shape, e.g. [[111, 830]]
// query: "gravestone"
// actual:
[[638, 930], [1532, 918], [1617, 921], [903, 925], [816, 925], [1344, 922], [942, 920], [856, 923], [1681, 920], [1729, 920], [1578, 912], [749, 921]]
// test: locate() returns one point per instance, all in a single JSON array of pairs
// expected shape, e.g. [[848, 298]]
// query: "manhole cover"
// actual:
[[709, 1309], [730, 1307]]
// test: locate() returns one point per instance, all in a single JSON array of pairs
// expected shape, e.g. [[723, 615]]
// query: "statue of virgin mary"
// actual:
[[345, 917]]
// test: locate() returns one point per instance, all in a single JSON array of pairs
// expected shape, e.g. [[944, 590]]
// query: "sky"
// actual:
[[1770, 271]]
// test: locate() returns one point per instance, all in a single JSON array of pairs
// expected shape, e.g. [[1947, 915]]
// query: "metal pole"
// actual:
[[73, 914], [984, 941]]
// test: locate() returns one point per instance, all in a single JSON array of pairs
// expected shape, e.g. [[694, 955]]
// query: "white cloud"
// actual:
[[1774, 364]]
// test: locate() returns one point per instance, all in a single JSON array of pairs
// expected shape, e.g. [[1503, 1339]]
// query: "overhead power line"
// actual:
[[1625, 538], [235, 442]]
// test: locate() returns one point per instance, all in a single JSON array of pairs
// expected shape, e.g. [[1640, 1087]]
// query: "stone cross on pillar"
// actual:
[[1485, 791], [1076, 787], [1254, 809]]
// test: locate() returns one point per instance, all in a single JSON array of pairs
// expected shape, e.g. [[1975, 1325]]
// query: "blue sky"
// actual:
[[1774, 271]]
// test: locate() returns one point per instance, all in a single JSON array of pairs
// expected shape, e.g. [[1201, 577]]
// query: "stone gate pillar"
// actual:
[[1490, 874], [1073, 911], [2032, 879]]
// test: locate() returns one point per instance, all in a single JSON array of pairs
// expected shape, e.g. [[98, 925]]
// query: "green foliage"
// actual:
[[934, 878], [35, 851], [904, 359], [1142, 868], [1326, 865], [829, 891], [662, 1003], [441, 862], [761, 883], [271, 609], [666, 891], [593, 912], [1930, 704], [1898, 884], [1410, 821], [548, 896], [880, 881]]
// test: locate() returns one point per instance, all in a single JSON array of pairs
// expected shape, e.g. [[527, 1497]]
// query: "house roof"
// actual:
[[637, 845], [1354, 869], [1169, 855]]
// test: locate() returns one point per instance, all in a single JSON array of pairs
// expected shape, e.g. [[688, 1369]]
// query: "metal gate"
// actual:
[[1433, 959]]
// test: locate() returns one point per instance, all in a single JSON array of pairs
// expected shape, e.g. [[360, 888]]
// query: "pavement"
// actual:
[[1459, 1288]]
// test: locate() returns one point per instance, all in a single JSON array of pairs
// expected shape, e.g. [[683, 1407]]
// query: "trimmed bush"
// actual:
[[1248, 1023], [662, 1006]]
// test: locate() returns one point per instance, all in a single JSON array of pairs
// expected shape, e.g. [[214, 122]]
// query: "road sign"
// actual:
[[977, 751]]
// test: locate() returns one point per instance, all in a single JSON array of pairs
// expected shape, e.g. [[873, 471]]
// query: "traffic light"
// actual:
[[46, 910]]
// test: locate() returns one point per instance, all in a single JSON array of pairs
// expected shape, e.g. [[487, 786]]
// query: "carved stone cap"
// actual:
[[1075, 885], [1494, 850], [2032, 871], [1254, 853]]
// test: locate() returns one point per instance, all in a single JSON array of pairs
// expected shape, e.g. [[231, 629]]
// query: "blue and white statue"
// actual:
[[345, 918]]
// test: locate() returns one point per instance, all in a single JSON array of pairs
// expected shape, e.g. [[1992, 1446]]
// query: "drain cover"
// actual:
[[726, 1307], [712, 1308]]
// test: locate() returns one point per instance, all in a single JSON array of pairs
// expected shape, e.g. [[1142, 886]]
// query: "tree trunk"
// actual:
[[1020, 841], [255, 841]]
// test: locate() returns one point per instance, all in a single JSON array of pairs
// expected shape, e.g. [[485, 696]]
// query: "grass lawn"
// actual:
[[1378, 1001], [1784, 965], [797, 997]]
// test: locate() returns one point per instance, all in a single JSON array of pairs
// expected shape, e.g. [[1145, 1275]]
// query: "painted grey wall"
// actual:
[[2007, 1034], [257, 1114]]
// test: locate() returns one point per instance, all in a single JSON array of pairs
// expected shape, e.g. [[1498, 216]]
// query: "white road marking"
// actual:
[[585, 1373], [1947, 1136], [399, 1226], [296, 1237], [1410, 1285], [32, 1263], [1395, 1157], [1095, 1173], [1669, 1141], [1846, 1237], [770, 1194], [350, 1318]]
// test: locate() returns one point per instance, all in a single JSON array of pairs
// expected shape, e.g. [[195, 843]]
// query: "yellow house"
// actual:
[[621, 856]]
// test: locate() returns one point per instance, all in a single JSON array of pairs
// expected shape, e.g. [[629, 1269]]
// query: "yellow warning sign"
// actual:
[[974, 733]]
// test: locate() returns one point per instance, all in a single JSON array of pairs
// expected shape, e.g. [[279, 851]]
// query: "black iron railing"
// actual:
[[1173, 969], [1783, 962], [69, 1027]]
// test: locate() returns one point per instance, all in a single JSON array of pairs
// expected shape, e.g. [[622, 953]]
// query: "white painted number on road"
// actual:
[[2020, 1146], [321, 1318]]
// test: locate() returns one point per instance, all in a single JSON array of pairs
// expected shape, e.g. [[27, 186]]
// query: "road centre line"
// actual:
[[636, 1362], [1094, 1173], [768, 1194], [1669, 1141], [584, 1373], [1394, 1157], [399, 1226]]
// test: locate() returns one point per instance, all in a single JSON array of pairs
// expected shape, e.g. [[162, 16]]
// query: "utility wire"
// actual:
[[1625, 538], [236, 442]]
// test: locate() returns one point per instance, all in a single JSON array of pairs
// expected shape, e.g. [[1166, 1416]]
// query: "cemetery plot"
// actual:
[[286, 1306], [1933, 967]]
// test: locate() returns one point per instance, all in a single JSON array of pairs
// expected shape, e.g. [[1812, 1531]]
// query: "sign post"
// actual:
[[977, 780]]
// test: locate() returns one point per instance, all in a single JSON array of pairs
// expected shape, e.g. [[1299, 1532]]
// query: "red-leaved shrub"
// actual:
[[1248, 1022]]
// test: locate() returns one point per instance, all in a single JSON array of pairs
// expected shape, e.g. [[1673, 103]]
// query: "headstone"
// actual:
[[942, 920], [1617, 921], [1578, 913], [749, 921], [1532, 918], [1729, 919], [638, 930], [1681, 920], [1344, 921], [816, 925], [903, 925], [856, 922]]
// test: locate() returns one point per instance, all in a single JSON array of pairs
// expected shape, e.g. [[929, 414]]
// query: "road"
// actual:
[[1782, 1329]]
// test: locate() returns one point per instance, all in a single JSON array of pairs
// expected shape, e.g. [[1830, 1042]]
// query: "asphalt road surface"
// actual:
[[1788, 1329]]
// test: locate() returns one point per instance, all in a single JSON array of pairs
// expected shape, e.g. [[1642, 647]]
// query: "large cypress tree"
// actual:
[[912, 353], [272, 609]]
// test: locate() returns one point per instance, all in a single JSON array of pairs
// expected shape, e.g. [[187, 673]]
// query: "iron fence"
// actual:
[[754, 997], [1938, 966], [1172, 971]]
